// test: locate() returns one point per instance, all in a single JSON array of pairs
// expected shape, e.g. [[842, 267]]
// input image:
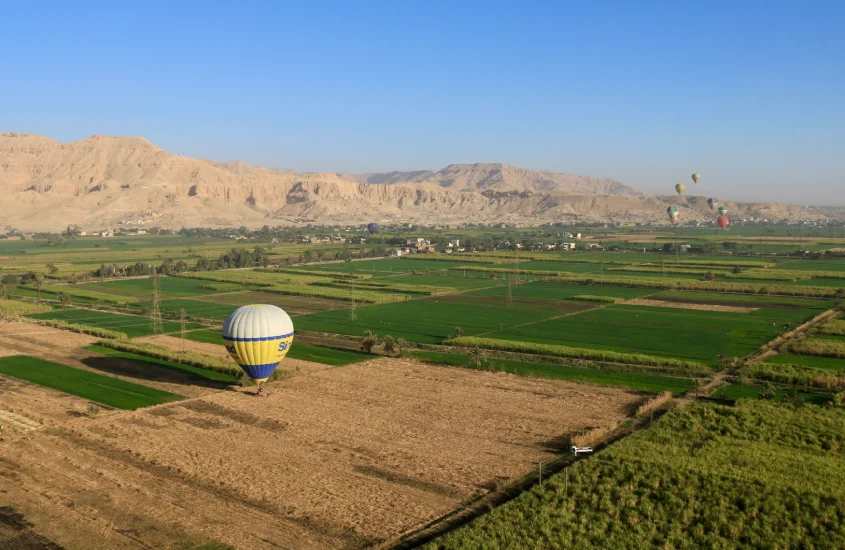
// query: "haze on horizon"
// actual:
[[748, 94]]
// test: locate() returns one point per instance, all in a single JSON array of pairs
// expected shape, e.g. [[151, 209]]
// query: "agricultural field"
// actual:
[[88, 385], [168, 287], [548, 291], [150, 363], [293, 305], [705, 476], [686, 334], [460, 432], [299, 350], [602, 377], [431, 320], [132, 325]]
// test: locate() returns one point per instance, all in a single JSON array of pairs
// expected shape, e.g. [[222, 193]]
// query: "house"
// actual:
[[106, 233], [567, 246]]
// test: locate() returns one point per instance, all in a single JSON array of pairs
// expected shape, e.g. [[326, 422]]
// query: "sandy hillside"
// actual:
[[100, 181]]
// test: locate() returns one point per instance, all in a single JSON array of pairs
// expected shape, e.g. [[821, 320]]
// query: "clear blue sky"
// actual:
[[750, 94]]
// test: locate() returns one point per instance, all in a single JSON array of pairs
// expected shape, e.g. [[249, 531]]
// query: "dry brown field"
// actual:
[[341, 457]]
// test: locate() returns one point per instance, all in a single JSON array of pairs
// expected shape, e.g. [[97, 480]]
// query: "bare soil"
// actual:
[[683, 305], [338, 458]]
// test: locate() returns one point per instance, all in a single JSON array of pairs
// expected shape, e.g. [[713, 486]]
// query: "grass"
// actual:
[[133, 325], [601, 377], [168, 287], [293, 305], [299, 350], [197, 372], [751, 391], [679, 333], [828, 363], [757, 475], [88, 385], [426, 321], [540, 290], [18, 307]]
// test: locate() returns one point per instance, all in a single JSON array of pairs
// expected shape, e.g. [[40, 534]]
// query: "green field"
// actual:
[[152, 363], [133, 325], [299, 350], [169, 287], [88, 385], [686, 334], [750, 391], [601, 377], [427, 321], [828, 363], [561, 291], [293, 305], [757, 475], [199, 309], [741, 300]]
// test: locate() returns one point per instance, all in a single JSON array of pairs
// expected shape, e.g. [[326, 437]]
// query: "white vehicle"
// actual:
[[581, 450]]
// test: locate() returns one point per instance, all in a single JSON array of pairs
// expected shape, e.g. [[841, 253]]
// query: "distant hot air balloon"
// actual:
[[722, 221], [696, 177], [712, 203], [258, 337], [723, 210], [672, 212], [372, 228], [680, 188]]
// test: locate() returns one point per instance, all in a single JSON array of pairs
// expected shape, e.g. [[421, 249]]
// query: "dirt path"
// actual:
[[681, 305]]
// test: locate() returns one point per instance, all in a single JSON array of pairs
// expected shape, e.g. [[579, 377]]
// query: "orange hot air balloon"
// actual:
[[722, 221]]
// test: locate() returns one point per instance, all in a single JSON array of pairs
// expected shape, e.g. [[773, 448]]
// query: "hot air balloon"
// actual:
[[722, 221], [723, 210], [258, 337], [696, 177], [372, 228], [680, 188], [672, 212], [712, 203]]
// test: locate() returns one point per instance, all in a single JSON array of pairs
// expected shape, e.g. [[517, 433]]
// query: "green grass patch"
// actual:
[[133, 325], [541, 290], [88, 385]]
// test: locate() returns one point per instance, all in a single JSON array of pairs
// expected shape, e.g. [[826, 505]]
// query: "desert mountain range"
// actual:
[[103, 181]]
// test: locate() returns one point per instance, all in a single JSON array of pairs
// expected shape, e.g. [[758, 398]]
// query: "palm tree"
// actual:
[[320, 256], [39, 283], [388, 344], [64, 298], [458, 332], [402, 346], [475, 357], [368, 341]]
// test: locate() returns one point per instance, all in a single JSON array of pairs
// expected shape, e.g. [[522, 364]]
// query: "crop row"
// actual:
[[337, 293], [597, 299], [83, 329], [389, 286], [836, 327], [679, 284], [571, 352], [798, 375], [326, 273], [672, 270], [76, 292], [821, 348], [19, 307]]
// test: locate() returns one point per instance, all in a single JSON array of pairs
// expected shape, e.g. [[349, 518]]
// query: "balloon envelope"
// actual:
[[258, 337], [723, 210], [372, 228], [672, 212], [712, 203], [696, 177], [680, 188], [722, 221]]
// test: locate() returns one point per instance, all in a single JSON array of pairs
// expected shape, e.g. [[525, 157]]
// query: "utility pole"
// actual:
[[509, 301], [155, 311], [182, 332], [353, 312]]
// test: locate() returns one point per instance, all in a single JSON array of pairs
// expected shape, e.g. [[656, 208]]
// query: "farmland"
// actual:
[[706, 476], [96, 387], [132, 325], [565, 342]]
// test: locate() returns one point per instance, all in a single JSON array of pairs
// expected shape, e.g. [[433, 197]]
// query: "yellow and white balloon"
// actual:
[[258, 337]]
